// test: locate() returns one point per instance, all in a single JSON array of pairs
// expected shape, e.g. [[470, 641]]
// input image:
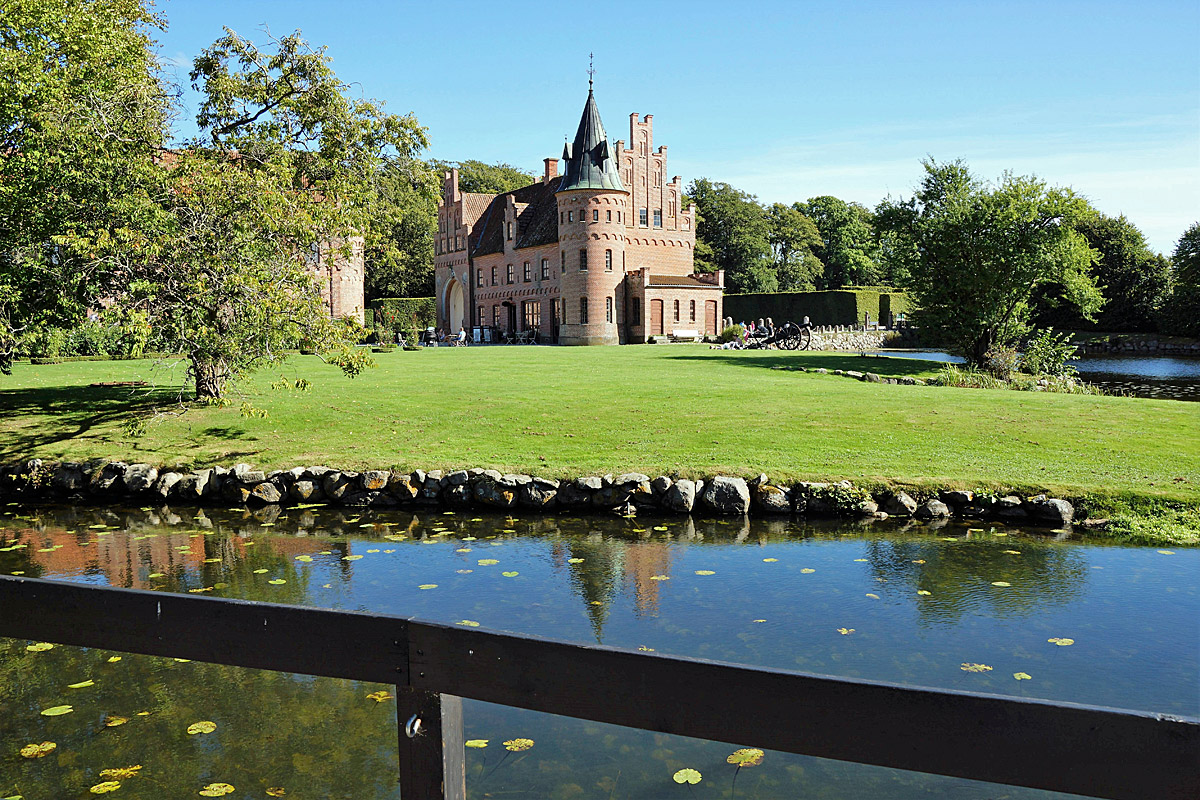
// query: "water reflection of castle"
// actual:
[[610, 566]]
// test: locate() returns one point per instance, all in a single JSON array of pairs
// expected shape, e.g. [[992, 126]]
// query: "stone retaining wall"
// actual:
[[844, 338], [1131, 346], [628, 494]]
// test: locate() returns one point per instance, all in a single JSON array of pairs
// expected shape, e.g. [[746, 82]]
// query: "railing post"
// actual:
[[432, 760]]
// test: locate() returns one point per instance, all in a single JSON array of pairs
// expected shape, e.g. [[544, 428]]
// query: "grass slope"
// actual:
[[654, 409]]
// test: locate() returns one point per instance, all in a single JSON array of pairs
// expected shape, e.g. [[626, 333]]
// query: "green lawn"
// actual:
[[655, 409]]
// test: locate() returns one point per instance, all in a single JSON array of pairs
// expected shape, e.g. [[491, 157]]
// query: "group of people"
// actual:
[[762, 329]]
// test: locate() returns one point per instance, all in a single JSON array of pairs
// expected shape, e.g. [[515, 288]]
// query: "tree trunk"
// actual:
[[211, 376]]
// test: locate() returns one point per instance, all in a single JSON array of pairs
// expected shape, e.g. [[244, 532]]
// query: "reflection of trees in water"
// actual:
[[314, 736], [959, 575]]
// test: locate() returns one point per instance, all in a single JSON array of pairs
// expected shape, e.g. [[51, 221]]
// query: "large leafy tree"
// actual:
[[481, 178], [286, 164], [1181, 312], [982, 249], [847, 247], [82, 114], [733, 227], [793, 238], [400, 234]]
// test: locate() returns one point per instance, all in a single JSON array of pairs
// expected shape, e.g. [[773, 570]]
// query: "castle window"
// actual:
[[570, 216], [693, 310], [545, 269], [533, 314], [608, 260], [583, 311], [609, 219], [563, 267], [479, 277], [479, 316], [583, 260], [561, 217], [493, 276], [510, 230], [658, 179], [658, 217], [618, 216], [595, 215], [495, 316], [510, 273], [644, 217], [608, 309], [528, 274], [637, 311], [677, 311]]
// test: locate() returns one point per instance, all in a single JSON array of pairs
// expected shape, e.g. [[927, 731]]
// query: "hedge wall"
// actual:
[[836, 307], [396, 313]]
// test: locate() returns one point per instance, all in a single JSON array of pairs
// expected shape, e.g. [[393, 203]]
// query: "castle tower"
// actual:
[[593, 209]]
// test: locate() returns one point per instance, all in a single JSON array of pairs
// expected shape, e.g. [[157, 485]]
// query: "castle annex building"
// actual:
[[601, 254]]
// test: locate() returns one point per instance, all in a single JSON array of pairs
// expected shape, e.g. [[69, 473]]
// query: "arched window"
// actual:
[[583, 311], [693, 310], [677, 311], [608, 260]]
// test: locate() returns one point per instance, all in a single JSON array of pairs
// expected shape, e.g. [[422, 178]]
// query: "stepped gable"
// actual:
[[538, 223]]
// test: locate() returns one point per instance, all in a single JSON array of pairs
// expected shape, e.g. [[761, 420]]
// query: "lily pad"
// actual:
[[260, 572], [1165, 552], [464, 571], [428, 586], [770, 560], [972, 667], [217, 790], [660, 527], [487, 562], [1001, 584], [1061, 642], [872, 595], [351, 558], [276, 791], [203, 726], [477, 744], [687, 776], [277, 581], [845, 631], [115, 722], [304, 558], [121, 773], [746, 757], [1022, 676], [517, 745], [924, 592], [380, 696], [106, 787], [705, 572], [510, 574], [660, 577], [40, 647], [808, 570], [574, 560], [38, 750], [468, 623], [81, 685], [57, 711]]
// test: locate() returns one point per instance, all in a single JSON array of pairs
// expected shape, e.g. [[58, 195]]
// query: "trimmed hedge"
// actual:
[[835, 307], [396, 313], [39, 361]]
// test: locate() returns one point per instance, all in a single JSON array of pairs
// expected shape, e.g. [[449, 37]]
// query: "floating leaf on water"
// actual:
[[260, 572], [845, 631], [367, 525], [469, 539], [645, 649], [326, 552], [463, 550], [517, 745], [81, 685], [746, 757], [808, 570], [968, 666], [389, 551], [395, 537], [1165, 552], [212, 561], [487, 562], [57, 711], [924, 592], [155, 575], [203, 726], [1001, 583], [217, 790], [143, 713], [277, 581], [770, 560], [379, 696], [469, 623], [1061, 642], [122, 773], [276, 791], [758, 620], [687, 776], [428, 586], [1012, 552], [38, 750], [477, 744], [660, 577], [464, 571], [182, 660], [574, 560], [106, 787], [304, 558], [705, 572], [115, 722], [510, 574], [862, 559], [660, 527], [872, 595], [373, 550], [351, 558], [918, 561], [40, 647], [1022, 676]]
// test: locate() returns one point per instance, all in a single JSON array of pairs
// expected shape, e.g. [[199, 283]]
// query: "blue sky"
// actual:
[[786, 100]]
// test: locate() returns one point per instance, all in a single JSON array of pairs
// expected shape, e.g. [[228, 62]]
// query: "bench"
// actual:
[[684, 335]]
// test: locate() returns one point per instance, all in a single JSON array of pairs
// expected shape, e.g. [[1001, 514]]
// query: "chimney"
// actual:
[[551, 169]]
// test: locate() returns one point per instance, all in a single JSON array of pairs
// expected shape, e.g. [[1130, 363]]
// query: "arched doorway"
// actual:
[[455, 306]]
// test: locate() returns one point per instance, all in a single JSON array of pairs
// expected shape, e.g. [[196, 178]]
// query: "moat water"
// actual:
[[892, 602]]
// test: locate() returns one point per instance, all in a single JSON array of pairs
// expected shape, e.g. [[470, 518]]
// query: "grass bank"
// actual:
[[655, 409]]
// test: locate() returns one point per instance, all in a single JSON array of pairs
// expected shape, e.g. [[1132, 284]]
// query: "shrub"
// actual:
[[1001, 362], [731, 333], [394, 315], [1047, 353]]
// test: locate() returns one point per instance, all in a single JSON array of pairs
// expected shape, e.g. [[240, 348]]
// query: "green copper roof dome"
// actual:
[[591, 163]]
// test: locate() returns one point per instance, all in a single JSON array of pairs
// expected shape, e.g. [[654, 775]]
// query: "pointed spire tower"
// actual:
[[593, 212]]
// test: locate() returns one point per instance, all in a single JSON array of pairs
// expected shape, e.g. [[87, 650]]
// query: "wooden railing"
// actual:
[[1065, 747]]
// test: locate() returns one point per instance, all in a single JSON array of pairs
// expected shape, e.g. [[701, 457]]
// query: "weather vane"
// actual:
[[591, 70]]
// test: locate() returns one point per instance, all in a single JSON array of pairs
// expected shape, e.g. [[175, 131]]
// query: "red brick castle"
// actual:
[[599, 255]]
